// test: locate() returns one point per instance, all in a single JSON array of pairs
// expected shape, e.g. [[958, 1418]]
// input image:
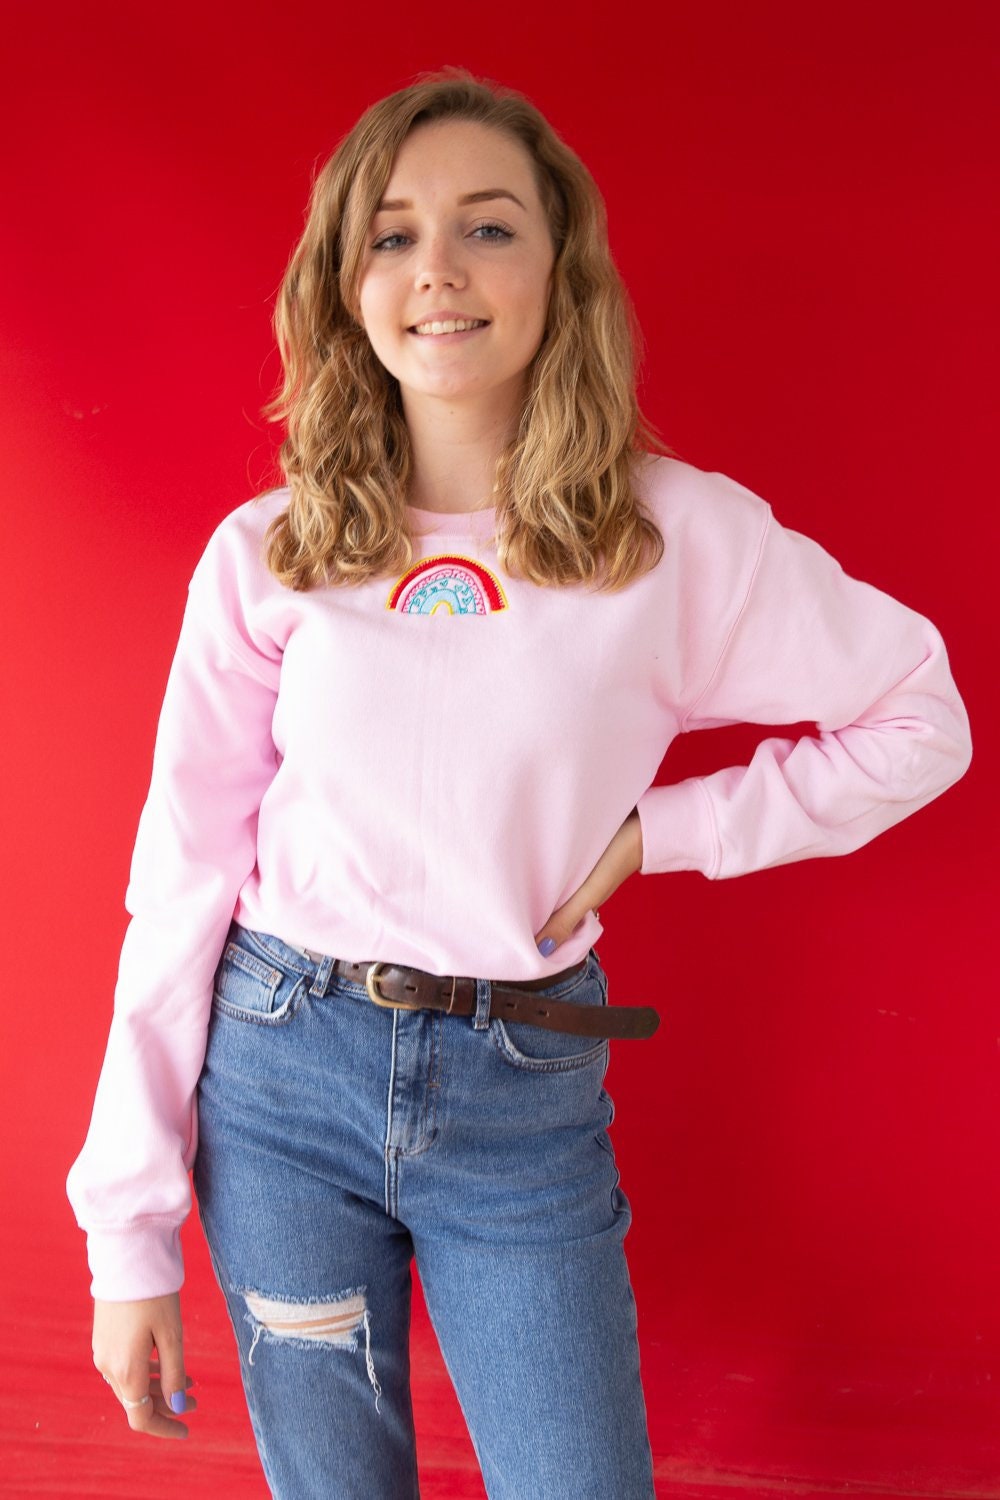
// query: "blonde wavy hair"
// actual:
[[566, 508]]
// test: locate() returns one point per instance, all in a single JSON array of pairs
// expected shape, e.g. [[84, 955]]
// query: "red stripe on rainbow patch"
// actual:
[[449, 583]]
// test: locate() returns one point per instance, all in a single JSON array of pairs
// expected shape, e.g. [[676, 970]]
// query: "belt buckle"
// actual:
[[371, 985]]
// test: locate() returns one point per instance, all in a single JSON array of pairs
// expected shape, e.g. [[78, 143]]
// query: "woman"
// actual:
[[360, 976]]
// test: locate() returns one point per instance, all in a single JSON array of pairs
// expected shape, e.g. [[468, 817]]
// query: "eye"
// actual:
[[503, 233], [385, 243], [490, 232]]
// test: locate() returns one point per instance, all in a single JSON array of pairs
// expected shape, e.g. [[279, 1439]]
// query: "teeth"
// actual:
[[451, 325]]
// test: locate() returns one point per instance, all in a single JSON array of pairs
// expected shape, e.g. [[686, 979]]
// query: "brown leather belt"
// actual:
[[400, 988]]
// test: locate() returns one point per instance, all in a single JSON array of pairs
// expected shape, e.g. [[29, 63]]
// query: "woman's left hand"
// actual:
[[622, 858]]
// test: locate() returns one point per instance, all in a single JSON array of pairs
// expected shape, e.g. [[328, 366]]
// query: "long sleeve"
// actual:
[[808, 643], [196, 843], [445, 844]]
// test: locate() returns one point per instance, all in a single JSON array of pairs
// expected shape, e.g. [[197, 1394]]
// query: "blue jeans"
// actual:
[[337, 1140]]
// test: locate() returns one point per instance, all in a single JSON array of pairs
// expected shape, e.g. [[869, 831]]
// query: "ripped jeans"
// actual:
[[338, 1140]]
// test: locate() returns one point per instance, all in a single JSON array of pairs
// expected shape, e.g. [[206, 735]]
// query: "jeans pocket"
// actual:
[[248, 987], [536, 1049]]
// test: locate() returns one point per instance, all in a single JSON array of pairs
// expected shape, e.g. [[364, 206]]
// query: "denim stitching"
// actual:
[[512, 1055]]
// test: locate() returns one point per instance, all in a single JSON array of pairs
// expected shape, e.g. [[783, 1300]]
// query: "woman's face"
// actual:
[[433, 255]]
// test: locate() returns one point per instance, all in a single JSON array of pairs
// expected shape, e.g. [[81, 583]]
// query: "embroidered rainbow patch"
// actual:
[[450, 583]]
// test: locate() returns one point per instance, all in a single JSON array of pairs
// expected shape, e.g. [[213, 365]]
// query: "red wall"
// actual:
[[800, 202]]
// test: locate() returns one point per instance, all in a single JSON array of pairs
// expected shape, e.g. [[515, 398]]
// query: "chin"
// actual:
[[447, 391]]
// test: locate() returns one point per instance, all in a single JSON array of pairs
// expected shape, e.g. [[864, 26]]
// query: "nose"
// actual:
[[440, 264]]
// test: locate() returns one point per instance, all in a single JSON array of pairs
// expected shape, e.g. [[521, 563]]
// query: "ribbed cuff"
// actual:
[[135, 1261], [678, 830]]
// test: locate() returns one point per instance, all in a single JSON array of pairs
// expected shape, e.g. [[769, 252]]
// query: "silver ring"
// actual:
[[143, 1401]]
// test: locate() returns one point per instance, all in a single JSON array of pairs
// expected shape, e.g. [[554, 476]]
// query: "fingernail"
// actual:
[[546, 946], [178, 1402]]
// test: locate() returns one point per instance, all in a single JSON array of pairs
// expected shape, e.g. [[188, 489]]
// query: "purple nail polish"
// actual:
[[546, 946], [178, 1402]]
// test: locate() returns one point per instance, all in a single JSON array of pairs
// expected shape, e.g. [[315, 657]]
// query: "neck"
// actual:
[[454, 448]]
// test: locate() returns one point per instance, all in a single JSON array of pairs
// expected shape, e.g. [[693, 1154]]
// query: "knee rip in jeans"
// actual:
[[313, 1322]]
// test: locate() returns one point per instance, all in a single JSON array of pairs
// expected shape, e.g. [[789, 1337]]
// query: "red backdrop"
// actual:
[[800, 204]]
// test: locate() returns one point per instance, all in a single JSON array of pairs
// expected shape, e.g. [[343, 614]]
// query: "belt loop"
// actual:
[[321, 983], [482, 1004]]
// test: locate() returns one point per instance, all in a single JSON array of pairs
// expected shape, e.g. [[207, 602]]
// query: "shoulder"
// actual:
[[238, 538], [713, 528], [232, 561], [685, 500], [243, 528]]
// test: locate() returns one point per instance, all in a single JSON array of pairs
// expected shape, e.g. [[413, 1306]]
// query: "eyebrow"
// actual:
[[484, 195]]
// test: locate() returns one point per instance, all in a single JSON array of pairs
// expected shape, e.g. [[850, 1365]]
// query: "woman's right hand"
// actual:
[[125, 1335]]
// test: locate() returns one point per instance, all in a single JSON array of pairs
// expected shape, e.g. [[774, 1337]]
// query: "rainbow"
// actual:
[[448, 583]]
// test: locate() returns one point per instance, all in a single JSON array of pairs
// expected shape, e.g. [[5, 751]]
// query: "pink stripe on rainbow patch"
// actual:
[[448, 583]]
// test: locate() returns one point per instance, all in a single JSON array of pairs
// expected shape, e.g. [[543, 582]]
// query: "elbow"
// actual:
[[942, 759], [957, 746], [910, 760], [946, 727], [927, 708], [962, 758], [923, 728]]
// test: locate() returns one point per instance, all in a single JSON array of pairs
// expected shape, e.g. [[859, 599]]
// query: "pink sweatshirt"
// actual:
[[367, 772]]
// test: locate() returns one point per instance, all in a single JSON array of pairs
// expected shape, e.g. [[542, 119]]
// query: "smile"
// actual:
[[450, 325]]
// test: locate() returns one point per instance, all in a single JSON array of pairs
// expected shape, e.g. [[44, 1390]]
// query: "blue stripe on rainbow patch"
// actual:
[[449, 583]]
